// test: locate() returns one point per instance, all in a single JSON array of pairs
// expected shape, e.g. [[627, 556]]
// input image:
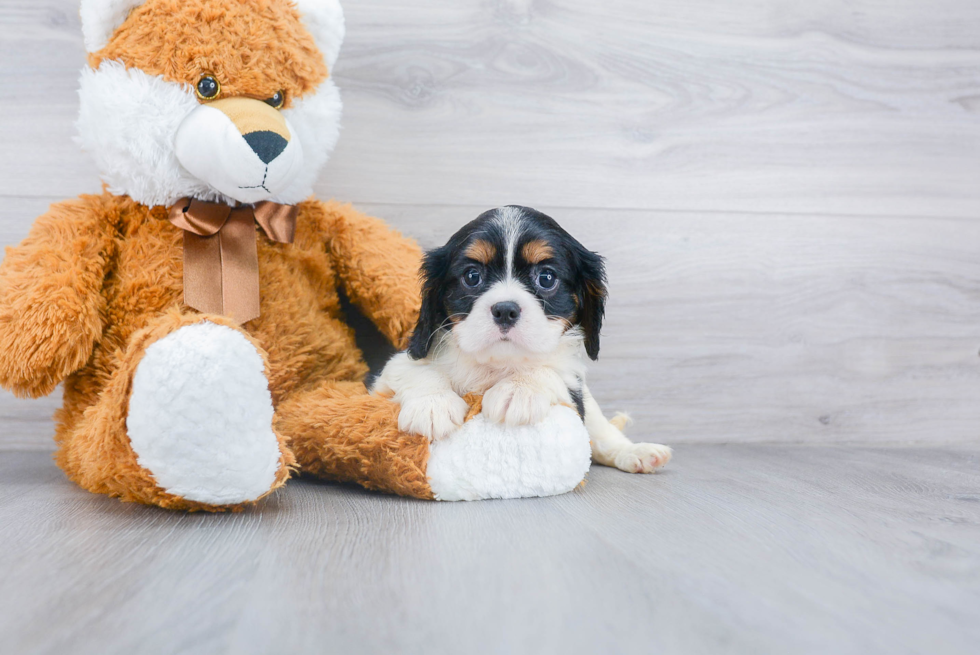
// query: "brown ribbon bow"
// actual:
[[221, 261]]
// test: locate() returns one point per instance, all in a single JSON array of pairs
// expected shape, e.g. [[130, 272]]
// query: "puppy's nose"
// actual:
[[505, 314], [266, 144]]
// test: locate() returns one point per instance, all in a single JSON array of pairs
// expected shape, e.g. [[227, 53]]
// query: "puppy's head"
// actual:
[[509, 284]]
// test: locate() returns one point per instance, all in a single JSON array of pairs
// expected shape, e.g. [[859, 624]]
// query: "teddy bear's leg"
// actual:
[[184, 422], [338, 431]]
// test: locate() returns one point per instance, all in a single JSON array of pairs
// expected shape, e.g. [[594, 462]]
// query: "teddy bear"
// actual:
[[192, 310]]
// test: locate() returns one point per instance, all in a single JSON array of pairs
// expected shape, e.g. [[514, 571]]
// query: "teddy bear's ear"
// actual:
[[100, 18], [325, 21]]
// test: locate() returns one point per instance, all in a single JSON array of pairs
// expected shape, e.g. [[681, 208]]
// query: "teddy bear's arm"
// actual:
[[379, 269], [50, 296]]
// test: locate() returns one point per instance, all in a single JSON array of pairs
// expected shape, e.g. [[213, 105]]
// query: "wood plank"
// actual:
[[866, 108], [732, 328], [28, 424], [736, 549]]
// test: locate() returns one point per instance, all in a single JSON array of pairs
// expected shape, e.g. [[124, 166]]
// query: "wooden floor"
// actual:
[[788, 195], [733, 549]]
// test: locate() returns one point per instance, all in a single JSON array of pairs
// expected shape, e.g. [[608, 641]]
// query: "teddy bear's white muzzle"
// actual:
[[240, 147]]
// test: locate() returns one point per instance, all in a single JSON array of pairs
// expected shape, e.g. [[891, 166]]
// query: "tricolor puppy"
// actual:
[[511, 307]]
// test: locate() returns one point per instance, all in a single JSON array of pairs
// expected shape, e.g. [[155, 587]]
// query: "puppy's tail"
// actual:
[[621, 421]]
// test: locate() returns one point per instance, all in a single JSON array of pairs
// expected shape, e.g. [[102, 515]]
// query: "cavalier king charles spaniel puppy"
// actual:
[[511, 306]]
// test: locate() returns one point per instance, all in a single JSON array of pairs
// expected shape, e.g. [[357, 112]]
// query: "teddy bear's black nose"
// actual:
[[267, 145]]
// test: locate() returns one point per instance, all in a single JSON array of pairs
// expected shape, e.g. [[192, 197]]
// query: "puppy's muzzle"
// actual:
[[505, 314]]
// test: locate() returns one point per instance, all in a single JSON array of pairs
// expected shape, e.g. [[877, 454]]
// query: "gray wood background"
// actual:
[[788, 192]]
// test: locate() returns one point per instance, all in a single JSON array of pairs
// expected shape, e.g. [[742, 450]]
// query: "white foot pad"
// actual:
[[200, 416], [489, 460]]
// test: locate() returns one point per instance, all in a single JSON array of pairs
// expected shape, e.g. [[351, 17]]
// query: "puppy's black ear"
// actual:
[[435, 267], [592, 297]]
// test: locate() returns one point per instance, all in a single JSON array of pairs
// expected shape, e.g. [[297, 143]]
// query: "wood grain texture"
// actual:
[[735, 549], [826, 107]]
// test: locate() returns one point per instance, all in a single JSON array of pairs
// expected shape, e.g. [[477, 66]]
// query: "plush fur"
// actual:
[[162, 404], [254, 48], [100, 18], [484, 460], [325, 21], [339, 432], [98, 281], [138, 95], [200, 416]]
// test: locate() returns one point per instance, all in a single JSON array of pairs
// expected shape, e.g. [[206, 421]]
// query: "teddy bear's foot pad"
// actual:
[[488, 460], [200, 416]]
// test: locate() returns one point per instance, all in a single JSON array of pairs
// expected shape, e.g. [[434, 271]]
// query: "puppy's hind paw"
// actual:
[[642, 457]]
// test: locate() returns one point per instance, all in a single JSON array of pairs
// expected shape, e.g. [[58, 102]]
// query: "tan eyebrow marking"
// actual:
[[535, 252], [482, 251]]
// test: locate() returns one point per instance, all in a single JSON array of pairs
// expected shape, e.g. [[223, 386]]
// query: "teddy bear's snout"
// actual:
[[241, 147]]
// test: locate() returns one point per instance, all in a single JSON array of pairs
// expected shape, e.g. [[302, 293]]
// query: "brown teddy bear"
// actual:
[[192, 308]]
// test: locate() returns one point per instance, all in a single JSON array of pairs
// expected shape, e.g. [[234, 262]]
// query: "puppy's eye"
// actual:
[[208, 88], [277, 101], [547, 279], [472, 277]]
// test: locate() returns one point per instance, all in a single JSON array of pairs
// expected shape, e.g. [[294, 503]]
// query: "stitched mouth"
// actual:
[[262, 184]]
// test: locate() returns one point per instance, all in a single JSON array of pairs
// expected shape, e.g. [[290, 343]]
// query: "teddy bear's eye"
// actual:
[[208, 88], [277, 101]]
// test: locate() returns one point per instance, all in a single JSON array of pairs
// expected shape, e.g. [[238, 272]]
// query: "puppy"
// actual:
[[511, 306]]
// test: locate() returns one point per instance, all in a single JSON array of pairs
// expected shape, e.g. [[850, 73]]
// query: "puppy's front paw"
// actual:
[[515, 404], [435, 416], [642, 457]]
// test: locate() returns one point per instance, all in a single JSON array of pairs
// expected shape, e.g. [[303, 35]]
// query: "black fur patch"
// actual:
[[579, 401]]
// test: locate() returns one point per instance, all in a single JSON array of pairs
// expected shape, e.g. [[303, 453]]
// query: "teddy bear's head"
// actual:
[[226, 100]]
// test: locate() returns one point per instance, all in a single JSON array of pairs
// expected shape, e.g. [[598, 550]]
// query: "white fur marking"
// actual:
[[486, 460], [435, 415], [510, 219], [200, 416], [478, 334], [429, 406], [611, 447], [526, 397]]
